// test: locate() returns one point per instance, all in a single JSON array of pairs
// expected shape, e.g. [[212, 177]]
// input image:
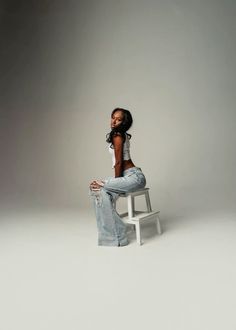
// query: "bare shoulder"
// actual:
[[117, 139]]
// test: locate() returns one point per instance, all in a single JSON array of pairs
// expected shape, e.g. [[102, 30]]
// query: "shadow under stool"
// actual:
[[135, 217]]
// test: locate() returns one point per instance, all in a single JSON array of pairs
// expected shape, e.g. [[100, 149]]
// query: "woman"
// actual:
[[128, 177]]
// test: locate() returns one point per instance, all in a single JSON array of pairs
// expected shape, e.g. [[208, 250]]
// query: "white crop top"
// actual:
[[126, 152]]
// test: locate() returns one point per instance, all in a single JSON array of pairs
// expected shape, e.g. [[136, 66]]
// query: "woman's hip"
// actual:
[[132, 179]]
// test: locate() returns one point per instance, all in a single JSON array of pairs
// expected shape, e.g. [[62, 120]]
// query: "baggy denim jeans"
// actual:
[[112, 231]]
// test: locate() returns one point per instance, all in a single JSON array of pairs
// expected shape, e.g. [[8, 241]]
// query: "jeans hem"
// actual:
[[121, 242]]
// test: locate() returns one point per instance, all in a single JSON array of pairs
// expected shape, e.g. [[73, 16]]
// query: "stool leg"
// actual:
[[133, 205], [159, 231], [149, 208], [130, 206], [138, 233]]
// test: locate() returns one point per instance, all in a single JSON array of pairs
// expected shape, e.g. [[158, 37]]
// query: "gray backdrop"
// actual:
[[66, 64]]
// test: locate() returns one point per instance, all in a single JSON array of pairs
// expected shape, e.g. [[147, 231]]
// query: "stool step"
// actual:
[[138, 216], [135, 217]]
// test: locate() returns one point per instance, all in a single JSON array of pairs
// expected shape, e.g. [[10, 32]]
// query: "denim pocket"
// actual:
[[139, 177], [132, 173], [141, 180]]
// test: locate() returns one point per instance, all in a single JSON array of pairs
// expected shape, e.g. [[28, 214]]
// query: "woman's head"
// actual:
[[121, 120]]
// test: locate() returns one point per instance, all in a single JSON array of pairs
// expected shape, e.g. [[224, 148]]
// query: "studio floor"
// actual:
[[54, 276]]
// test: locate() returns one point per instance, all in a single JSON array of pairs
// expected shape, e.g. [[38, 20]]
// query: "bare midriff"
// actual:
[[127, 164]]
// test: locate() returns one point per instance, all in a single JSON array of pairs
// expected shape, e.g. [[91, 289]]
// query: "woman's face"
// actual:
[[116, 118]]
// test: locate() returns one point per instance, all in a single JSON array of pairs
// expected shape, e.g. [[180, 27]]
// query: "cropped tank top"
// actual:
[[126, 151]]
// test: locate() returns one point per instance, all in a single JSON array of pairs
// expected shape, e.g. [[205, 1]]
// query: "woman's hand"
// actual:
[[96, 184]]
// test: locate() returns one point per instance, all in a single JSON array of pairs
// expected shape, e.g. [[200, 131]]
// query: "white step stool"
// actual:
[[135, 217]]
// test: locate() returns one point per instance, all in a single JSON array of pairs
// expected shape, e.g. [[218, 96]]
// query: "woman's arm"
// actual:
[[118, 149]]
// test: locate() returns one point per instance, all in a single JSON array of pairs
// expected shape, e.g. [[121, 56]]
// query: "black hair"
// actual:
[[122, 128]]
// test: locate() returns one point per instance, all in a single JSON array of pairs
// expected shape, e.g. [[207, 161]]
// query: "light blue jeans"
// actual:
[[112, 231]]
